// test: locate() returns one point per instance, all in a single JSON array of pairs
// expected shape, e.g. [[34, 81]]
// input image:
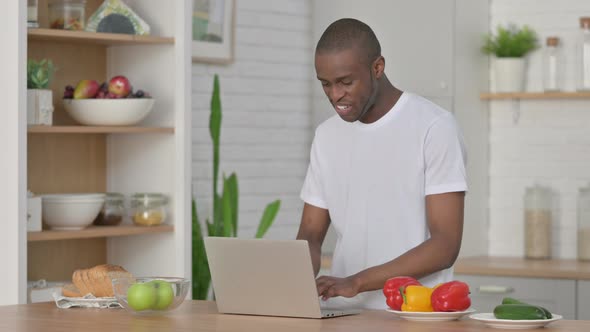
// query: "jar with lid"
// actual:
[[32, 14], [537, 222], [584, 223], [552, 66], [67, 14], [148, 209], [112, 211], [583, 55]]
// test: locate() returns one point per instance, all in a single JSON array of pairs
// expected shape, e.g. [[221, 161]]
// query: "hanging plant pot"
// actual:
[[510, 74]]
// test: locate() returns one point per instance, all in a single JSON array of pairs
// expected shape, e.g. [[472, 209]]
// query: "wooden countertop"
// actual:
[[203, 316], [520, 267]]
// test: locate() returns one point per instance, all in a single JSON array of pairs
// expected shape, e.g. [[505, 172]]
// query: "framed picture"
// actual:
[[213, 31]]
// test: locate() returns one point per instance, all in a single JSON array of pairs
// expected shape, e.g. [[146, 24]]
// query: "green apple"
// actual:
[[141, 296], [164, 294]]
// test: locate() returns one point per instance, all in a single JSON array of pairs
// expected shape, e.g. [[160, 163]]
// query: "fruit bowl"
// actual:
[[108, 112], [70, 211], [150, 295]]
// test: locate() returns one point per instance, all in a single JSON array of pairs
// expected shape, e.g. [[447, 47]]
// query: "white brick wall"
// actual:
[[266, 100], [549, 144]]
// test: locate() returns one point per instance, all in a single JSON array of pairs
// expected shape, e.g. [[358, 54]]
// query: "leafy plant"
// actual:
[[39, 73], [511, 42], [225, 207]]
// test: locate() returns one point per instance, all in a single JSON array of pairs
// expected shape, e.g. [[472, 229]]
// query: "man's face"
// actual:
[[348, 82]]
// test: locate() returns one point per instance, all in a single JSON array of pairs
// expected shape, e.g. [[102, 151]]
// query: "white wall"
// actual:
[[265, 98], [13, 146], [549, 145]]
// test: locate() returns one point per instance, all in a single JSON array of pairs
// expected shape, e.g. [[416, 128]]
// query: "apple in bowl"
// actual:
[[150, 295]]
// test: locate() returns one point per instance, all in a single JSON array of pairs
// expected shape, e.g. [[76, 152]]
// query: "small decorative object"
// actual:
[[583, 47], [510, 46], [552, 65], [67, 14], [39, 97], [114, 16]]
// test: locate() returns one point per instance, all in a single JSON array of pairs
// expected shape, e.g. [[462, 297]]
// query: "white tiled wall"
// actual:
[[550, 142], [266, 99]]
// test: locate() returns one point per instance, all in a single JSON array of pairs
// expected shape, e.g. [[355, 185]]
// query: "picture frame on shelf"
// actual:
[[213, 31]]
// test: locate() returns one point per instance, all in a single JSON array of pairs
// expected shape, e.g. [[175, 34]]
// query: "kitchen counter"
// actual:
[[519, 267], [203, 316], [571, 269]]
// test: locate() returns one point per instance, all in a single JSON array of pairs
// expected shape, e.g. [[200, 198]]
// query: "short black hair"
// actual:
[[348, 33]]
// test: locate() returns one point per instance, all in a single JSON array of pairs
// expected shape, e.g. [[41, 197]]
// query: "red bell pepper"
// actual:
[[451, 296], [393, 293]]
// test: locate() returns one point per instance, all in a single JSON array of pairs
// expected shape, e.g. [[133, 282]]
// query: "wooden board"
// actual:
[[66, 163], [98, 231], [57, 260], [535, 95], [98, 130]]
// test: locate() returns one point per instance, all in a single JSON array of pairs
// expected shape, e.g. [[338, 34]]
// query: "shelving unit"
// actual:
[[535, 95], [153, 156]]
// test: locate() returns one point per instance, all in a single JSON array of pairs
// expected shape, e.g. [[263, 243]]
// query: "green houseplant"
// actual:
[[510, 46], [39, 97], [224, 221]]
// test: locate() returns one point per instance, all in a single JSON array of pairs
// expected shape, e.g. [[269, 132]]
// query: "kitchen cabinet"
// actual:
[[583, 300], [430, 48], [557, 295], [153, 156]]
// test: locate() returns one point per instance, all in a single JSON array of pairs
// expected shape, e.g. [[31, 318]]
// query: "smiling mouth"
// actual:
[[343, 109]]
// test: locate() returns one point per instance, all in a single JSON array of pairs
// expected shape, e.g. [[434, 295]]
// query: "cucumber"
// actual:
[[519, 312], [510, 300]]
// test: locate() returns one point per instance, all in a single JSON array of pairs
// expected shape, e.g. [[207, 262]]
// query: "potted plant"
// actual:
[[510, 46], [39, 96], [224, 219]]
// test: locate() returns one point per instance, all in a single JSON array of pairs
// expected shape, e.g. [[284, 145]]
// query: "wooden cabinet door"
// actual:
[[557, 295]]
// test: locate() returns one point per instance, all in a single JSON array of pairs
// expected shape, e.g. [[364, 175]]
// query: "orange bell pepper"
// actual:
[[417, 298]]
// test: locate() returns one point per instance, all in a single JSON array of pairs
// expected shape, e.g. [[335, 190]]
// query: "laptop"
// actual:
[[265, 277]]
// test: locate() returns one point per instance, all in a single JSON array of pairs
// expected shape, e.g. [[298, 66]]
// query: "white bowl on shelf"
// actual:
[[71, 211], [109, 112]]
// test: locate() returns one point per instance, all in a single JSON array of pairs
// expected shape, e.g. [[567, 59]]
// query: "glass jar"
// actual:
[[537, 222], [112, 211], [583, 55], [67, 14], [148, 209], [584, 224], [32, 14], [552, 65]]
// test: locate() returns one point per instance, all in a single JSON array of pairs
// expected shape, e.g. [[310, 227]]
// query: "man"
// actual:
[[388, 172]]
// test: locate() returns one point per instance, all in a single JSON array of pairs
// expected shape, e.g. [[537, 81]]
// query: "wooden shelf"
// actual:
[[535, 95], [98, 130], [97, 231], [54, 35]]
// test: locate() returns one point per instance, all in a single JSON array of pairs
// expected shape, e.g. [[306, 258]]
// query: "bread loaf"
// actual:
[[70, 290], [98, 280]]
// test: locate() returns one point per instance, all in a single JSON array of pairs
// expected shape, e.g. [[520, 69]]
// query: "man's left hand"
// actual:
[[332, 286]]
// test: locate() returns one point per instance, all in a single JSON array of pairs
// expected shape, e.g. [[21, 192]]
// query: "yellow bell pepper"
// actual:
[[417, 298]]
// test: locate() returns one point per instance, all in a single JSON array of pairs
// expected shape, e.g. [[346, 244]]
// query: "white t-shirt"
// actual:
[[373, 179]]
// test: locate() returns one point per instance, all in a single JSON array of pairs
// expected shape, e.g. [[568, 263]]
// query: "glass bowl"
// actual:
[[150, 295]]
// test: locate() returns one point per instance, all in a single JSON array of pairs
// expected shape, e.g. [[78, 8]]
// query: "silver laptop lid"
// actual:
[[262, 277]]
